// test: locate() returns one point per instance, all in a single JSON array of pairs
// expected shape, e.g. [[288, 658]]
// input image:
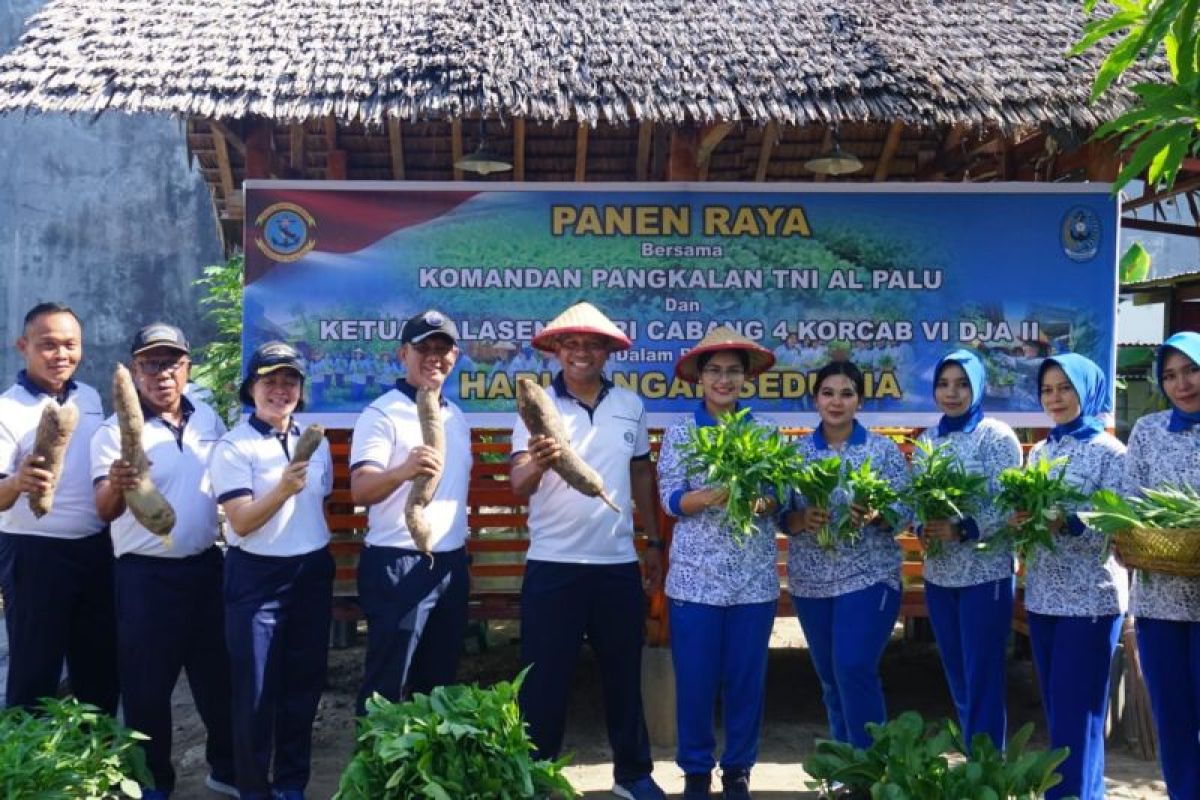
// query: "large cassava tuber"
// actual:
[[541, 417], [53, 435], [145, 502], [308, 443], [420, 494]]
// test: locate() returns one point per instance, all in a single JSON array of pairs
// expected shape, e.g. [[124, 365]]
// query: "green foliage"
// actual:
[[745, 458], [219, 363], [456, 743], [941, 488], [1135, 264], [1041, 490], [908, 760], [69, 751], [1167, 506], [817, 481], [872, 492]]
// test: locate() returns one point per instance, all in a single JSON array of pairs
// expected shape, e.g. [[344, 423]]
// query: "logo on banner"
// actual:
[[285, 232], [1081, 234]]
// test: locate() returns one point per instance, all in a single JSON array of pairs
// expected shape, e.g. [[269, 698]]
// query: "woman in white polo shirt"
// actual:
[[278, 578]]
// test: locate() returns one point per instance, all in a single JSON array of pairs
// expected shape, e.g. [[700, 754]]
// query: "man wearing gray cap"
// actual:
[[416, 607], [169, 601]]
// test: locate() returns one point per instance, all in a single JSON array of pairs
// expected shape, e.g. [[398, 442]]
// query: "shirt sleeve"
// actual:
[[10, 451], [373, 440], [895, 470], [1137, 463], [641, 448], [1001, 451], [520, 437], [106, 448], [327, 457], [232, 471], [672, 477]]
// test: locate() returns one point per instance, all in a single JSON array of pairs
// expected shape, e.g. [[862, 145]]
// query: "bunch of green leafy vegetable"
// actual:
[[1042, 490], [941, 488], [744, 458], [1167, 506], [68, 750], [817, 481], [872, 492], [909, 759], [458, 742]]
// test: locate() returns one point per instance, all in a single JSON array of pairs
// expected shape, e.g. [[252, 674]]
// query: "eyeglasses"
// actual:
[[428, 350], [158, 366], [716, 373]]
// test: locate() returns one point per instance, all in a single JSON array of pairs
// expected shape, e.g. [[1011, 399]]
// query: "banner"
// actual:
[[888, 276]]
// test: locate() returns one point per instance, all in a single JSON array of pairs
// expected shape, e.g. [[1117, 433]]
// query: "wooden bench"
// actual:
[[499, 538]]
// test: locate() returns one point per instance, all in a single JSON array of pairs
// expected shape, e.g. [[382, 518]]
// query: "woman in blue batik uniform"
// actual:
[[1077, 593], [970, 593], [722, 594], [1164, 448], [847, 598]]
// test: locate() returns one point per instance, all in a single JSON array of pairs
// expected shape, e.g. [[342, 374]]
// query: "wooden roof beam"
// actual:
[[260, 149], [224, 169], [519, 149], [890, 146], [396, 148], [939, 163], [645, 137], [456, 146], [231, 138], [769, 140], [335, 158], [1185, 185], [710, 137], [296, 149], [581, 148]]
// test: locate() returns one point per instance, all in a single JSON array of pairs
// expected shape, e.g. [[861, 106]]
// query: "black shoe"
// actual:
[[737, 784], [697, 787]]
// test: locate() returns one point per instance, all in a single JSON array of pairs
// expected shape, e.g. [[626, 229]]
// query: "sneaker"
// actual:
[[697, 786], [736, 783], [220, 787], [643, 788]]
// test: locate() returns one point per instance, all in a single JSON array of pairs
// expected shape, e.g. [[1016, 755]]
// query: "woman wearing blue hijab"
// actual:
[[1165, 448], [1076, 594], [970, 594]]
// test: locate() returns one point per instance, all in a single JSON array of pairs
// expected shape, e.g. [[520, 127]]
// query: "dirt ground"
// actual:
[[794, 719]]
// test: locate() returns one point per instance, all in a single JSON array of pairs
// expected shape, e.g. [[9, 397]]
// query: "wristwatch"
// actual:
[[655, 544]]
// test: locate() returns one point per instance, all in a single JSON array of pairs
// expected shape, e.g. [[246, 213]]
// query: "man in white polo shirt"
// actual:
[[170, 608], [416, 609], [55, 572], [581, 577]]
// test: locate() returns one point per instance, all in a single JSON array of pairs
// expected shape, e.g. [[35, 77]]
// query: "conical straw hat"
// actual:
[[581, 318], [724, 338]]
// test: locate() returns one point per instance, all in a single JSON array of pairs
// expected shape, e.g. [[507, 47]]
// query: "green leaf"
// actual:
[[1135, 264]]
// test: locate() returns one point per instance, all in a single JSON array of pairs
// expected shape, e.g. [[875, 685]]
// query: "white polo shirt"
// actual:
[[248, 462], [179, 468], [73, 515], [384, 434], [566, 526]]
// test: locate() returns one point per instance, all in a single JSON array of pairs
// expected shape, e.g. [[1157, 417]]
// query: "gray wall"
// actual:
[[104, 215]]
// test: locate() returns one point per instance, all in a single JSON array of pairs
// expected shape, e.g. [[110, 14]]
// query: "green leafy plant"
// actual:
[[817, 482], [910, 759], [871, 491], [69, 750], [745, 458], [1041, 490], [219, 363], [1167, 506], [457, 743], [941, 488]]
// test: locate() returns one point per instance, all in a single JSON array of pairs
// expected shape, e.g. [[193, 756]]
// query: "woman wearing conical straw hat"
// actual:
[[581, 574], [723, 593]]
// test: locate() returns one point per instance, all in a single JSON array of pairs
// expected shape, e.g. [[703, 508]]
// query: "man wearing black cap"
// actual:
[[415, 604], [169, 600], [56, 570]]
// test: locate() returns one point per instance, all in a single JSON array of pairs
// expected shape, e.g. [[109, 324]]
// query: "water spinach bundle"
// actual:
[[872, 492], [819, 483], [942, 489], [744, 458], [1168, 506], [1042, 490]]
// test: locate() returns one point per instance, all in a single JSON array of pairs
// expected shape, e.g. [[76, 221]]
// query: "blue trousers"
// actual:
[[1170, 654], [561, 605], [719, 651], [1073, 658], [846, 636], [972, 625], [416, 617], [58, 606], [277, 615], [170, 616]]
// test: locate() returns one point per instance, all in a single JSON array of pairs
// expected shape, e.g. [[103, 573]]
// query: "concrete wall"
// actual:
[[103, 214]]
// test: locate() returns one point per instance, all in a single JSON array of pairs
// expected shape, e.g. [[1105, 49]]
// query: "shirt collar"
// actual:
[[185, 410], [858, 436], [267, 429], [28, 385], [706, 420], [560, 388], [408, 390]]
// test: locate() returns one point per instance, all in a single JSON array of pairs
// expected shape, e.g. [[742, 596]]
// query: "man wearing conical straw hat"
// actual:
[[581, 576]]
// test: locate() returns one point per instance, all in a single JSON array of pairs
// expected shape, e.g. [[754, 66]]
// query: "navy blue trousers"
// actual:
[[1073, 657], [1170, 652], [58, 606], [972, 626], [846, 636], [416, 618], [277, 615], [719, 651], [170, 617], [561, 605]]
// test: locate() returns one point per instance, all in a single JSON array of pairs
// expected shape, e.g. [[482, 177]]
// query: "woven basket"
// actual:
[[1172, 551]]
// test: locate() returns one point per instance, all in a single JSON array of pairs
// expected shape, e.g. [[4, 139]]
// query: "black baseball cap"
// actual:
[[420, 327], [268, 358], [158, 334]]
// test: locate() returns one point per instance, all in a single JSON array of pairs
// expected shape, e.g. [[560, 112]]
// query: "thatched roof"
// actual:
[[792, 62]]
